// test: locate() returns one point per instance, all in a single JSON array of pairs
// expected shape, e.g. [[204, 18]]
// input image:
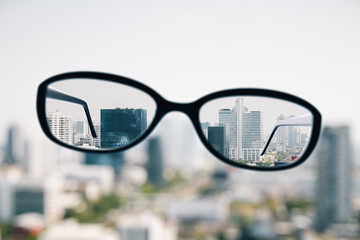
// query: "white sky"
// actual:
[[185, 49]]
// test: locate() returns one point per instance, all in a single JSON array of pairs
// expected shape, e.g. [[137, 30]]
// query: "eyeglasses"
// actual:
[[248, 128]]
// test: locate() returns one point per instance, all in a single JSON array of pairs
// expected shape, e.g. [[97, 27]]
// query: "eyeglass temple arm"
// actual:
[[305, 120], [55, 94]]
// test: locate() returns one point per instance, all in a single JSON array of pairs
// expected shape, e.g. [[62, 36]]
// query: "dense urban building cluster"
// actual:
[[117, 127]]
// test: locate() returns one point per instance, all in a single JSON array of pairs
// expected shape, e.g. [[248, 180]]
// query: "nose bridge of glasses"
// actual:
[[189, 109]]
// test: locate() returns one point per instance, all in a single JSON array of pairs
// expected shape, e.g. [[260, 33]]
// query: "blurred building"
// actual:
[[14, 146], [27, 196], [220, 179], [155, 165], [40, 158], [70, 229], [114, 160], [145, 226], [6, 187], [208, 209], [334, 182], [93, 181]]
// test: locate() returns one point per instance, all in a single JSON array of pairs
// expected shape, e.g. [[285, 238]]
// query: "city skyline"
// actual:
[[117, 127]]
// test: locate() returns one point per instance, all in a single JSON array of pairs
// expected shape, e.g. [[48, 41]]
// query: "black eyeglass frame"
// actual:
[[192, 110]]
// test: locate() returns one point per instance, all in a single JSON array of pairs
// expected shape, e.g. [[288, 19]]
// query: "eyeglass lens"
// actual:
[[255, 130], [119, 114]]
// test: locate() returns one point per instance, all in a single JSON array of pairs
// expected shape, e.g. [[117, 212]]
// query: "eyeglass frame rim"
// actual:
[[191, 109]]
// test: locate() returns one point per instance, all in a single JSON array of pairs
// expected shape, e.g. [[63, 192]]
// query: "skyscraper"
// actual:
[[228, 119], [204, 128], [120, 127], [252, 139], [14, 146], [216, 138], [97, 140], [61, 126], [240, 108], [333, 184], [155, 162], [80, 127], [243, 131]]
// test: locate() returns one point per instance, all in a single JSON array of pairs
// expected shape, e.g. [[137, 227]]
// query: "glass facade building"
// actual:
[[228, 119], [216, 138], [334, 181], [120, 127], [29, 200]]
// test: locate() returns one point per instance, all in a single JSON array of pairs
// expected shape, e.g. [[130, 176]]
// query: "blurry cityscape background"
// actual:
[[184, 50], [169, 187]]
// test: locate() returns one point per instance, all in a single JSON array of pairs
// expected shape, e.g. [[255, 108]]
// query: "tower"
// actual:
[[61, 126], [252, 129], [239, 106], [155, 162], [216, 138], [333, 183], [228, 119], [14, 146]]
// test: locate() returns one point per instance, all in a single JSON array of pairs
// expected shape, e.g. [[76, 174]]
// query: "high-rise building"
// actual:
[[97, 140], [14, 147], [120, 127], [204, 128], [6, 200], [216, 138], [293, 136], [61, 126], [229, 119], [252, 138], [280, 134], [252, 129], [155, 162], [80, 128], [333, 184], [243, 132], [240, 108]]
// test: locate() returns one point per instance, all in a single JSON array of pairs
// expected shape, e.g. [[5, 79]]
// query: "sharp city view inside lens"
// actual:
[[97, 114], [256, 131]]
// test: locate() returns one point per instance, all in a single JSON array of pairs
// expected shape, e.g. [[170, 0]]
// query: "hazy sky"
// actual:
[[185, 49]]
